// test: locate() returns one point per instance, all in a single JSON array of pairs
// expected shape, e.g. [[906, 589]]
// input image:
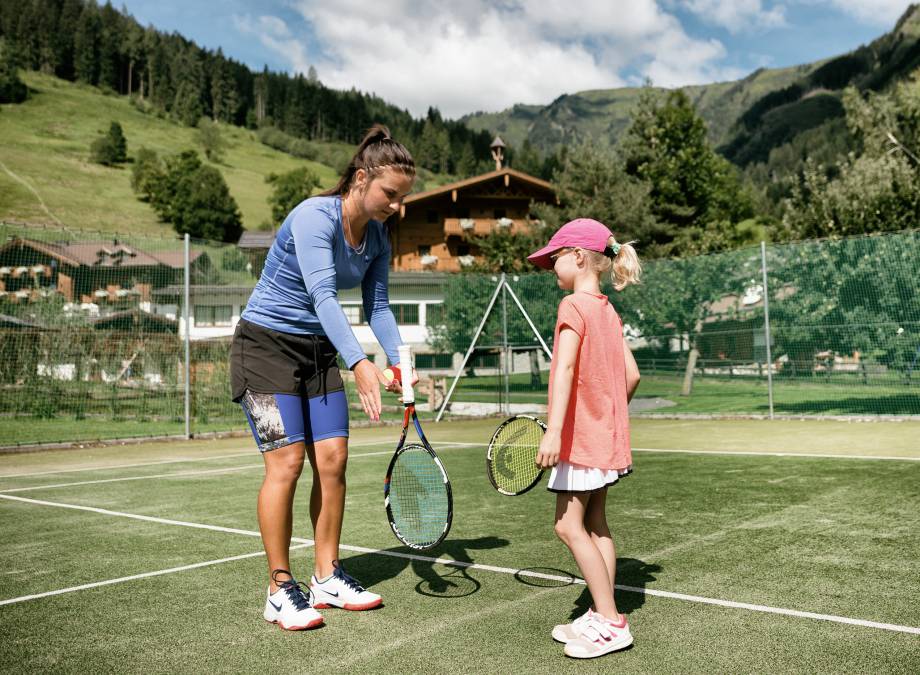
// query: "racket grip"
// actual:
[[405, 364]]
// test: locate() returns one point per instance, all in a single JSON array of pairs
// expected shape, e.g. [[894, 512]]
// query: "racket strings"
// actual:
[[514, 452], [418, 496]]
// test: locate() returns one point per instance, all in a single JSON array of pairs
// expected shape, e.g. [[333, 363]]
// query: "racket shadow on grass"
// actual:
[[434, 579]]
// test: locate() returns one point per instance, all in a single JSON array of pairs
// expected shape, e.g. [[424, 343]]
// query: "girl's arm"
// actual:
[[566, 355], [632, 372]]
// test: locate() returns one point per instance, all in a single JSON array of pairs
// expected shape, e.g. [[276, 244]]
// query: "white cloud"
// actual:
[[877, 12], [275, 35], [488, 55], [738, 15]]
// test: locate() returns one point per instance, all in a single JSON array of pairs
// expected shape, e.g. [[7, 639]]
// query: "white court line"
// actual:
[[503, 570], [775, 454], [182, 473], [193, 459], [144, 575]]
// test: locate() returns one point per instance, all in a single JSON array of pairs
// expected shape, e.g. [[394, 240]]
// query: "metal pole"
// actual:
[[766, 324], [514, 297], [469, 351], [185, 319], [504, 284]]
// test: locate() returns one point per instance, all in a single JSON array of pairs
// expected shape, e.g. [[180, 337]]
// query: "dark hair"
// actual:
[[376, 152]]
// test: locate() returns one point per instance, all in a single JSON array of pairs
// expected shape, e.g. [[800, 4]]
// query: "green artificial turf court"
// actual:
[[733, 539]]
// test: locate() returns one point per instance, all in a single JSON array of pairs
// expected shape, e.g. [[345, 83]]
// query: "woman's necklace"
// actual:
[[358, 248]]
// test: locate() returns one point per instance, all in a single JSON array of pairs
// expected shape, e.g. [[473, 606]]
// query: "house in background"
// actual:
[[110, 275], [432, 229]]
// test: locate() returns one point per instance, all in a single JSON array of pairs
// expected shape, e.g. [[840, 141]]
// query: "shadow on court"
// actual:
[[435, 580], [630, 572]]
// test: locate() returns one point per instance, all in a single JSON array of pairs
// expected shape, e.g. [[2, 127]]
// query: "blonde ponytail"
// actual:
[[627, 269]]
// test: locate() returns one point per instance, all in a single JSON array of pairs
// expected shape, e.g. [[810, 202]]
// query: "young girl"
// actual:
[[592, 378]]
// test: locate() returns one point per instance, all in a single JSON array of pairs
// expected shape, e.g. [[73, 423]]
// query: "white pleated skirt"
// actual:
[[567, 477]]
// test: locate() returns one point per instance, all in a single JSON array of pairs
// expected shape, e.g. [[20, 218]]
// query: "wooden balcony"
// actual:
[[477, 226]]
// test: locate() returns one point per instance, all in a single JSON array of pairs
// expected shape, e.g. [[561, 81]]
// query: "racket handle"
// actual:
[[405, 365]]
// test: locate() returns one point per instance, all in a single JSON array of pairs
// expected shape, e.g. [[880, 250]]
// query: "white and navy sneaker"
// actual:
[[290, 606], [342, 590]]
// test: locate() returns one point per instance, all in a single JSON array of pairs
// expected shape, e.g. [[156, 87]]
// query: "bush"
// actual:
[[111, 148]]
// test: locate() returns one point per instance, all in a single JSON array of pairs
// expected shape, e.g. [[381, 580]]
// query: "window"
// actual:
[[463, 212], [432, 217], [483, 360], [406, 315], [423, 361], [500, 213], [354, 314], [463, 249], [213, 315], [434, 314], [424, 250]]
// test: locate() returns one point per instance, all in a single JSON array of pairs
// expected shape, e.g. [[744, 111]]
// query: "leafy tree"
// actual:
[[289, 189], [876, 189], [690, 185], [504, 251], [203, 206], [193, 197], [146, 172], [86, 45], [593, 184], [110, 148], [210, 139], [676, 297], [847, 295], [12, 89]]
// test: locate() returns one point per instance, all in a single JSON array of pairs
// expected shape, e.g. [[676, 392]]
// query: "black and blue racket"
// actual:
[[416, 490]]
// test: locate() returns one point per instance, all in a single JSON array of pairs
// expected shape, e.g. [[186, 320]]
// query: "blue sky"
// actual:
[[489, 54]]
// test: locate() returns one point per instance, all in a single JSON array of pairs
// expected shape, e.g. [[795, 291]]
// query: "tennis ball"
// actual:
[[392, 373]]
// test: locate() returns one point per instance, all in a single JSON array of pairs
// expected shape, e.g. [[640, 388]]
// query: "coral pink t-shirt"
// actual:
[[595, 432]]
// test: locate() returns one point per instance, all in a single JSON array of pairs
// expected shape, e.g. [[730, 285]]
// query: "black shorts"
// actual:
[[289, 385], [267, 361]]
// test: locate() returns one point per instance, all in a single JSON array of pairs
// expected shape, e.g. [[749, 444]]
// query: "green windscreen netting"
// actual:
[[92, 333]]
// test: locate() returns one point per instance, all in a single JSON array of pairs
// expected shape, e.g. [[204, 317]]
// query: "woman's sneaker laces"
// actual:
[[290, 605], [340, 589]]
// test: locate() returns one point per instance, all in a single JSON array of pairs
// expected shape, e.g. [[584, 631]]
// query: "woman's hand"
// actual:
[[394, 385], [550, 445], [368, 379]]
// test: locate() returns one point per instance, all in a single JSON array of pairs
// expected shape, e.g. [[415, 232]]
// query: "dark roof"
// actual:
[[103, 254], [257, 239], [131, 318], [482, 178], [7, 321]]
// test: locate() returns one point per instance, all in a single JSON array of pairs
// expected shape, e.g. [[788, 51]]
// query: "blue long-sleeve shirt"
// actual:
[[307, 264]]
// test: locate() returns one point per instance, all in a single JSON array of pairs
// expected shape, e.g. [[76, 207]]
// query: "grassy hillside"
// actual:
[[46, 176]]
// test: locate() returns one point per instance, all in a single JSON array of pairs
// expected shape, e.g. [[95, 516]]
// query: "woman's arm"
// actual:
[[376, 298], [565, 357], [632, 371], [314, 234]]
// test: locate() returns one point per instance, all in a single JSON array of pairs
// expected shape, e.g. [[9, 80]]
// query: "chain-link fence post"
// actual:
[[766, 324], [187, 339]]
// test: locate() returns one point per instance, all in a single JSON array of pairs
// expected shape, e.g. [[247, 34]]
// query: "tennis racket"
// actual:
[[416, 491], [511, 460]]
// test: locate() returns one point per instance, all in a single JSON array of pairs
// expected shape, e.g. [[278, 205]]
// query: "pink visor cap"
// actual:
[[581, 232]]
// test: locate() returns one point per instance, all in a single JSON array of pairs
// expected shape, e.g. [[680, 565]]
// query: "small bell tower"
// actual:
[[498, 152]]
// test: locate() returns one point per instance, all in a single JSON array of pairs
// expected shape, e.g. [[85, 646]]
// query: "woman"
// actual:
[[284, 371]]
